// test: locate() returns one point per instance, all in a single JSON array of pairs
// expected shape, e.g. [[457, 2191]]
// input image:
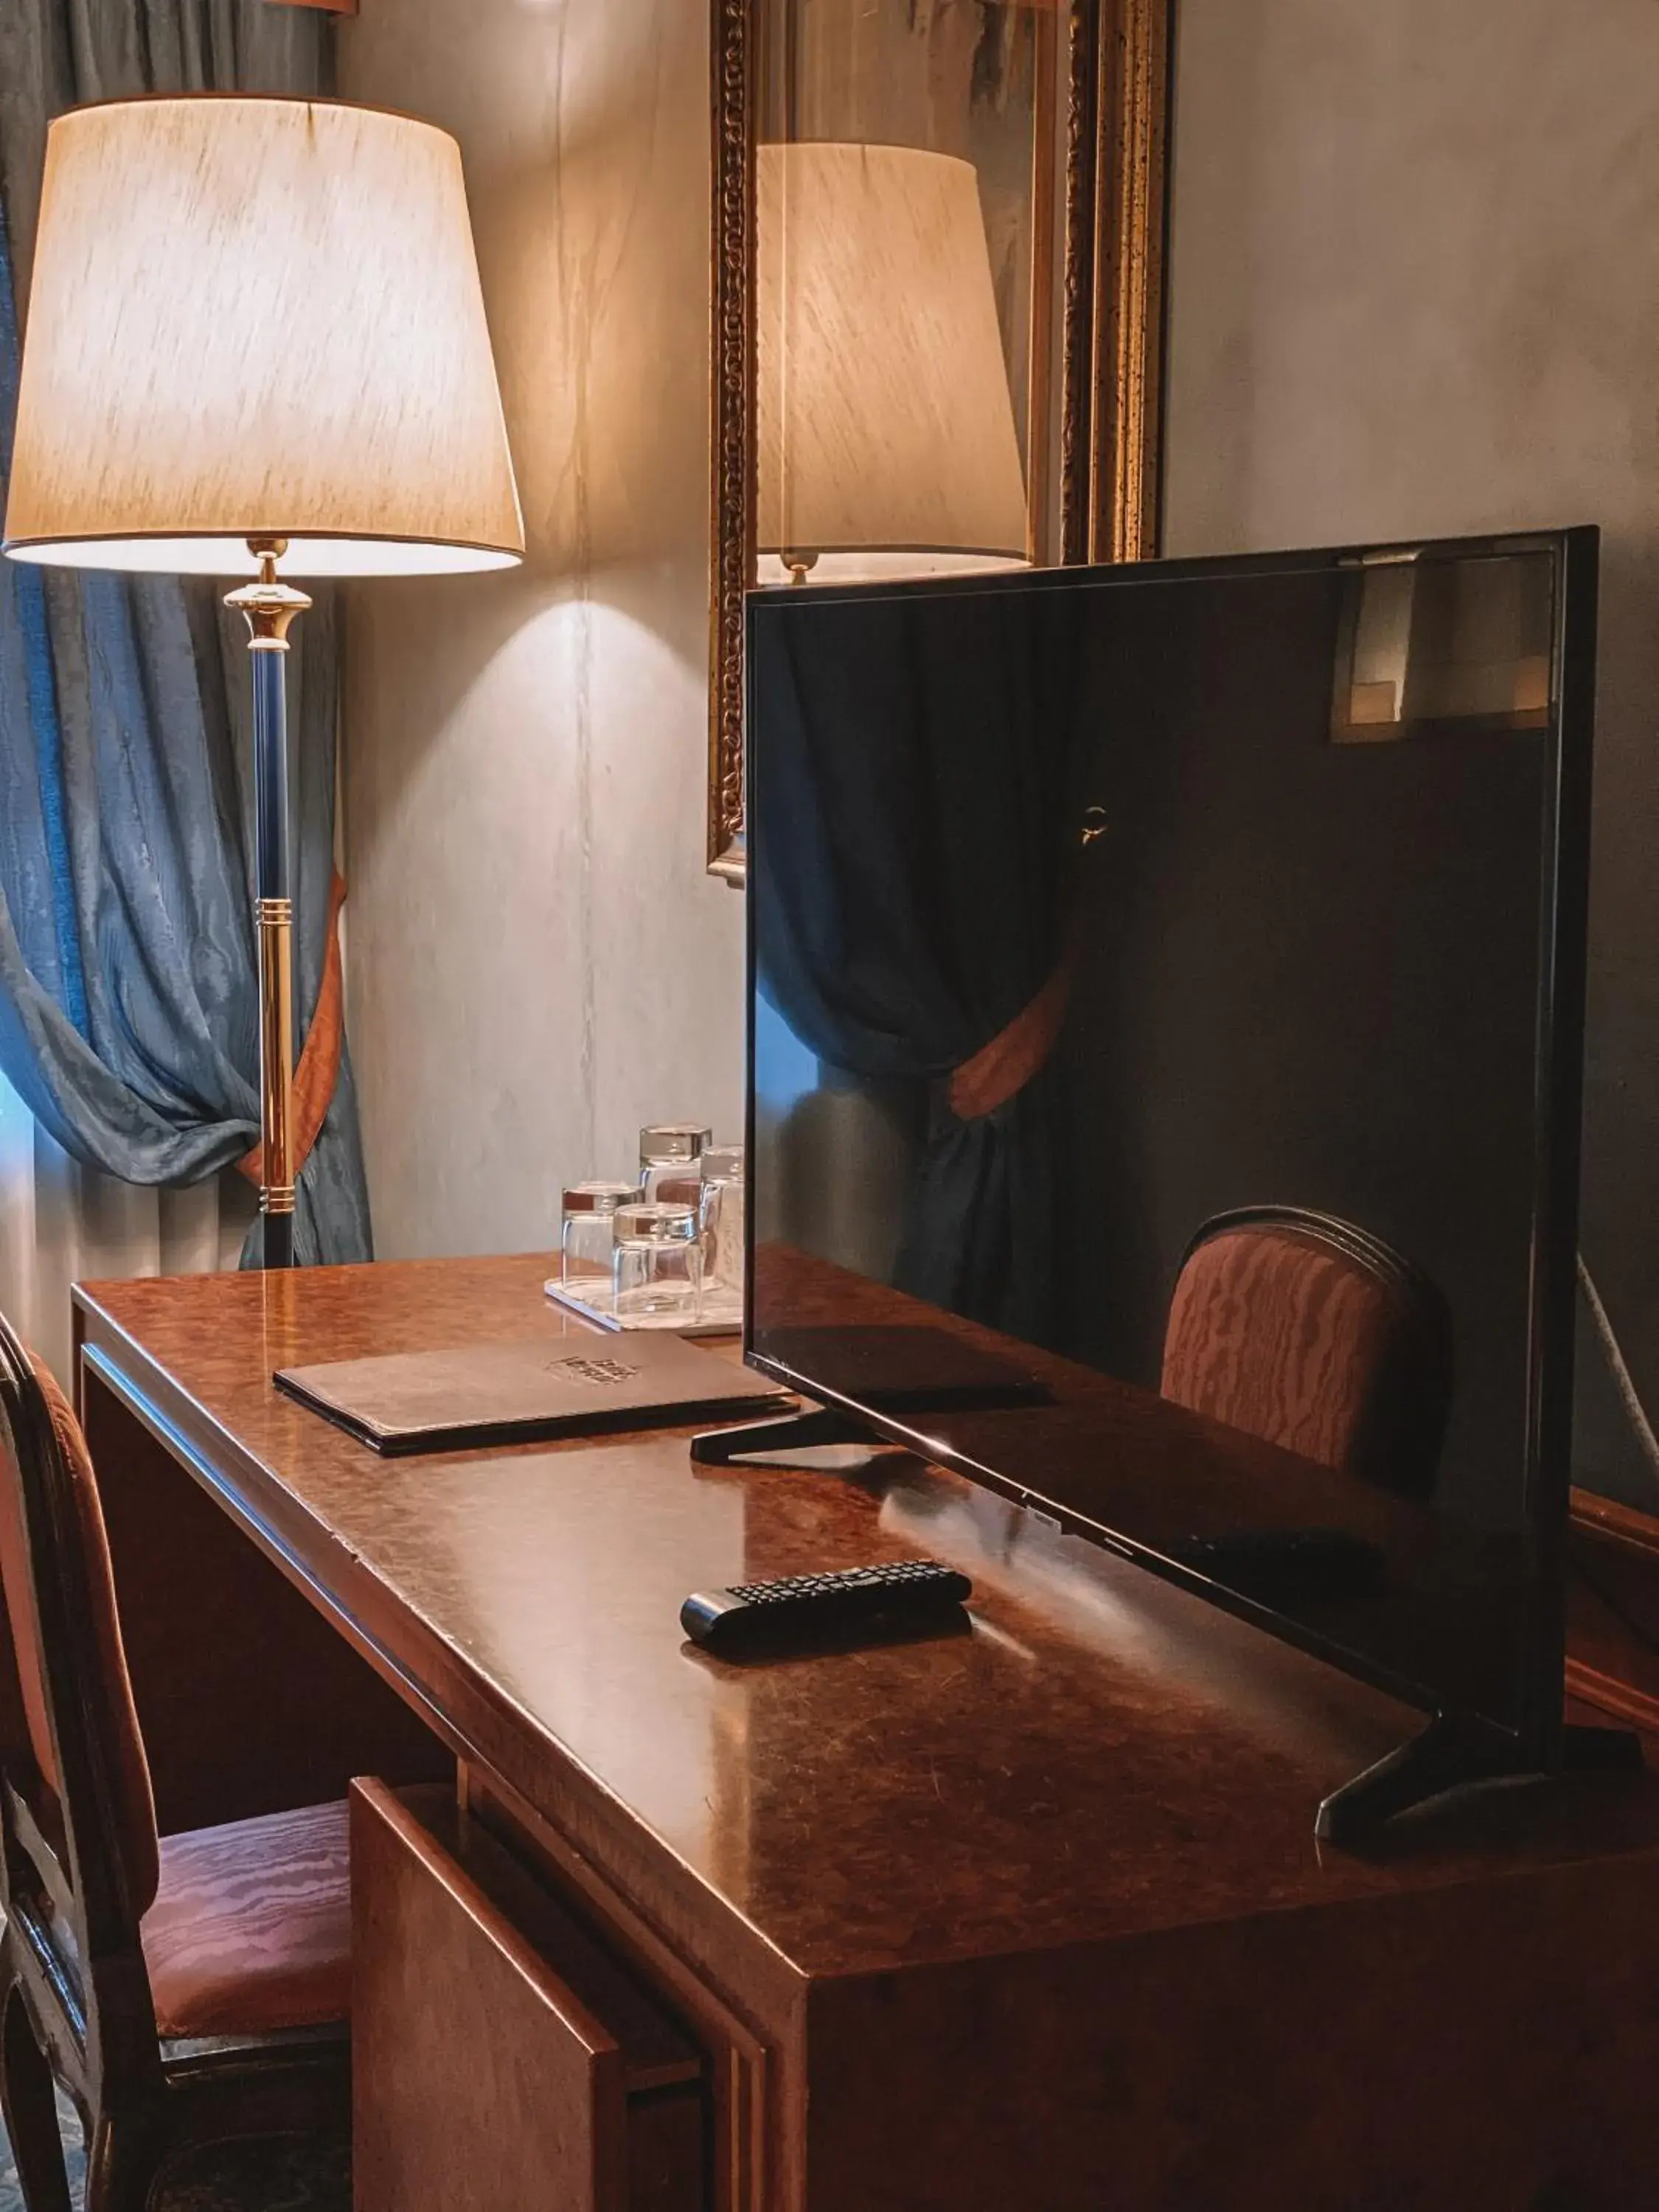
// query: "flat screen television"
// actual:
[[1166, 1008]]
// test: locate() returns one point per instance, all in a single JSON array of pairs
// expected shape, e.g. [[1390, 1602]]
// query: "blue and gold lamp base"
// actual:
[[270, 608]]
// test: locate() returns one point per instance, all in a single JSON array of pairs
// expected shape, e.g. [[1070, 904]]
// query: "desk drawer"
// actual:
[[500, 2059]]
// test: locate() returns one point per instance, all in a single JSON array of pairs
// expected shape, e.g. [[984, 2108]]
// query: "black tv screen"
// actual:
[[1166, 1028]]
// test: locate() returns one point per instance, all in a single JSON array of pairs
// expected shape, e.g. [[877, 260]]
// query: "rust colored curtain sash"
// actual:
[[320, 1060], [1015, 1055]]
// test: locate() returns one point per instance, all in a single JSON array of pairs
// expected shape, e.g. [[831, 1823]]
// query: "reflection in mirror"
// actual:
[[937, 300], [887, 443], [905, 301]]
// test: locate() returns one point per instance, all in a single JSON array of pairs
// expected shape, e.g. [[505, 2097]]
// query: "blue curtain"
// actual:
[[128, 968], [914, 831]]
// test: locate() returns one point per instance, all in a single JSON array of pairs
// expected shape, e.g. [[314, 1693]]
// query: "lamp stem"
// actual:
[[270, 608]]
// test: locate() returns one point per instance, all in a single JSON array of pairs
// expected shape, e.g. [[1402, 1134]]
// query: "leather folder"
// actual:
[[498, 1393]]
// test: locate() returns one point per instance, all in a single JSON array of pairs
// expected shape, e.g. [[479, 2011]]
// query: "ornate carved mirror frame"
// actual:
[[1116, 79]]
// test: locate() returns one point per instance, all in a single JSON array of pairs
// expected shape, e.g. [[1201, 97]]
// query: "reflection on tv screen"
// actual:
[[1156, 978]]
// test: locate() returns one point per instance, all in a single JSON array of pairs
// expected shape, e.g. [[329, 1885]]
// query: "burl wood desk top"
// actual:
[[1102, 1757]]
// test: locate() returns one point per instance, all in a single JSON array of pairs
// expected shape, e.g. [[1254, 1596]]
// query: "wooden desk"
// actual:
[[1029, 1918]]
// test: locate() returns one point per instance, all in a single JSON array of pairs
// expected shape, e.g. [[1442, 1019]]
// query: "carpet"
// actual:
[[284, 2175]]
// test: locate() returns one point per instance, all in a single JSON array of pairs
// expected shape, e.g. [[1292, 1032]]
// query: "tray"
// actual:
[[721, 1315]]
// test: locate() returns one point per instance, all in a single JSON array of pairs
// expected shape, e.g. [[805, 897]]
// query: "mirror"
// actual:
[[938, 301]]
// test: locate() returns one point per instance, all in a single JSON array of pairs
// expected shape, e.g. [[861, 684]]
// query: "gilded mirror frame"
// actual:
[[1110, 317]]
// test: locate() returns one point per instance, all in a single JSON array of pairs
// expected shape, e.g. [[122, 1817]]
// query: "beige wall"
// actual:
[[1415, 290], [538, 960]]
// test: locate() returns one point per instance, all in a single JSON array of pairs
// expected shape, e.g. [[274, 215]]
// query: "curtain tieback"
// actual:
[[320, 1060], [1000, 1070]]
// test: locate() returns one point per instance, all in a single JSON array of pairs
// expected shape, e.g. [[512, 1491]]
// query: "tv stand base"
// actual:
[[793, 1433], [1454, 1753]]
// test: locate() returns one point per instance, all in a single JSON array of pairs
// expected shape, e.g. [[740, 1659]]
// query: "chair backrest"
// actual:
[[1305, 1331], [79, 1817]]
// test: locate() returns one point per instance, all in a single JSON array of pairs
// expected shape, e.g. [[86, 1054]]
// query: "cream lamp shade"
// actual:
[[886, 428], [258, 319]]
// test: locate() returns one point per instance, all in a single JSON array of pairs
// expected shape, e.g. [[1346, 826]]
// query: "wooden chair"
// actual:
[[1310, 1333], [185, 1990]]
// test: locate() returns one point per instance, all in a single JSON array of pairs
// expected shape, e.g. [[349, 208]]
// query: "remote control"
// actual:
[[804, 1607]]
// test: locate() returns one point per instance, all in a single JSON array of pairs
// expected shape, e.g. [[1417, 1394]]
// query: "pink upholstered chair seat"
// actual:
[[250, 1929]]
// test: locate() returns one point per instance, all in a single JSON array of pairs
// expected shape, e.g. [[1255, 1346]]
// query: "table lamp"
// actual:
[[885, 438], [256, 337]]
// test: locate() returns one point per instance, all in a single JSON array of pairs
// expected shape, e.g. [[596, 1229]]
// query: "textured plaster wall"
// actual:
[[538, 961], [1415, 290]]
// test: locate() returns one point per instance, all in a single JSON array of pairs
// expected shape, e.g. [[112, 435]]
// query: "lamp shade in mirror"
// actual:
[[885, 436], [258, 319]]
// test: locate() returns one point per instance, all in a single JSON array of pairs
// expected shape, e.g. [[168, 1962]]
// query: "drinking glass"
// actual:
[[669, 1153], [657, 1264], [721, 1219], [588, 1234]]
